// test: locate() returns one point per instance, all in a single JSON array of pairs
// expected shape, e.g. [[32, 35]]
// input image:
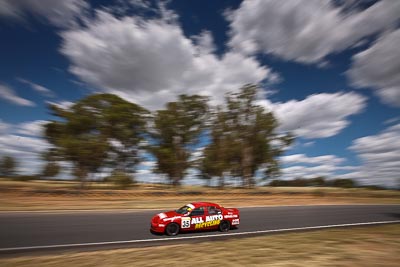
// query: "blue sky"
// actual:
[[329, 70]]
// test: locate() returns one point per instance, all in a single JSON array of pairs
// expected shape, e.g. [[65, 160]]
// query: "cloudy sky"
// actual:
[[329, 70]]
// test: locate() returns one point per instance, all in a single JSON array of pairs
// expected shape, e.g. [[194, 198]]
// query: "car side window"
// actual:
[[198, 211], [213, 210]]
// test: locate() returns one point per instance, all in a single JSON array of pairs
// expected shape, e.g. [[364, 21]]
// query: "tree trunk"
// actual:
[[176, 181], [81, 173], [221, 181], [247, 160]]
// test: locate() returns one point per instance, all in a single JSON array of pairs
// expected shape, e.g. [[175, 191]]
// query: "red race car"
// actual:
[[195, 216]]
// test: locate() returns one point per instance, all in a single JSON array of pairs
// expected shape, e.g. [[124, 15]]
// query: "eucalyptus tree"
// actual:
[[52, 167], [8, 166], [175, 132], [217, 154], [97, 130], [244, 139]]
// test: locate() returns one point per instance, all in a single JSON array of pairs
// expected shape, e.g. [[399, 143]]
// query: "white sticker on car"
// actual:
[[185, 222], [235, 222], [162, 215]]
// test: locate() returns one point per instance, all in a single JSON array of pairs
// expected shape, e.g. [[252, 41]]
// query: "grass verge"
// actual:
[[362, 246], [49, 195]]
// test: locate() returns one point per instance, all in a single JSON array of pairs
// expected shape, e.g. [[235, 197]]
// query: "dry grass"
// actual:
[[364, 246], [45, 195]]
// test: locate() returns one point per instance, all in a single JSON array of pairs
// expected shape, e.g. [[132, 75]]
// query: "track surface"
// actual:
[[47, 229]]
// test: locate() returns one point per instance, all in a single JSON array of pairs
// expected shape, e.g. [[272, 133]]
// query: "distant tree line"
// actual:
[[104, 131], [8, 169], [323, 182], [317, 181]]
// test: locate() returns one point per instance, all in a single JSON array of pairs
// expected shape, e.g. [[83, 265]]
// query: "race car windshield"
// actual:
[[183, 210]]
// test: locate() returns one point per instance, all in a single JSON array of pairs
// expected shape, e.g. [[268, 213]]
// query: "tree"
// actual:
[[244, 139], [344, 183], [176, 129], [317, 181], [8, 166], [51, 169], [216, 155], [96, 130], [120, 179]]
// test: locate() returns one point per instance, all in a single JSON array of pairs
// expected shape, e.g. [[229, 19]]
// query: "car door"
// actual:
[[213, 217], [197, 218]]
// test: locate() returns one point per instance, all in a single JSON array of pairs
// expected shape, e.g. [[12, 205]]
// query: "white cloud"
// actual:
[[306, 31], [16, 144], [301, 165], [205, 42], [302, 158], [306, 172], [145, 4], [325, 170], [148, 164], [23, 142], [31, 128], [8, 9], [8, 94], [62, 104], [59, 13], [150, 62], [308, 144], [26, 150], [378, 67], [380, 156], [4, 127], [392, 120], [38, 88], [319, 115]]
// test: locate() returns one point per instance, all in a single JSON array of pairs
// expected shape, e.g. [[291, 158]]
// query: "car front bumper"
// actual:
[[158, 228]]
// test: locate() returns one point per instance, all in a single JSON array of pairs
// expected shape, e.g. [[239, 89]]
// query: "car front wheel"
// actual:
[[224, 226], [172, 229]]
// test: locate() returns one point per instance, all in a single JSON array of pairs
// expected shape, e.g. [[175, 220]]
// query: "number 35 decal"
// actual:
[[185, 223]]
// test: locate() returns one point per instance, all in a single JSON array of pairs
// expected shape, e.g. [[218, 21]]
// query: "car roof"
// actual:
[[200, 204]]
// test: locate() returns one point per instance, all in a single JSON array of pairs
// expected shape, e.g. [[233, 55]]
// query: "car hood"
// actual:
[[168, 214]]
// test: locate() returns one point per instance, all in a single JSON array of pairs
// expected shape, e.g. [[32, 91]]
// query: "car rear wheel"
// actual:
[[172, 229], [224, 226]]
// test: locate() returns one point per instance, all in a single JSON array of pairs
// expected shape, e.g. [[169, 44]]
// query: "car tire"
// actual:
[[172, 229], [224, 226]]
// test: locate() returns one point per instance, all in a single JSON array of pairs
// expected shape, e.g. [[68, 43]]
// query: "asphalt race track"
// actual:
[[23, 231]]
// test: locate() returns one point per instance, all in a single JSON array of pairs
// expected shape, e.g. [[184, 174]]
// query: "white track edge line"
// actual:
[[194, 237]]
